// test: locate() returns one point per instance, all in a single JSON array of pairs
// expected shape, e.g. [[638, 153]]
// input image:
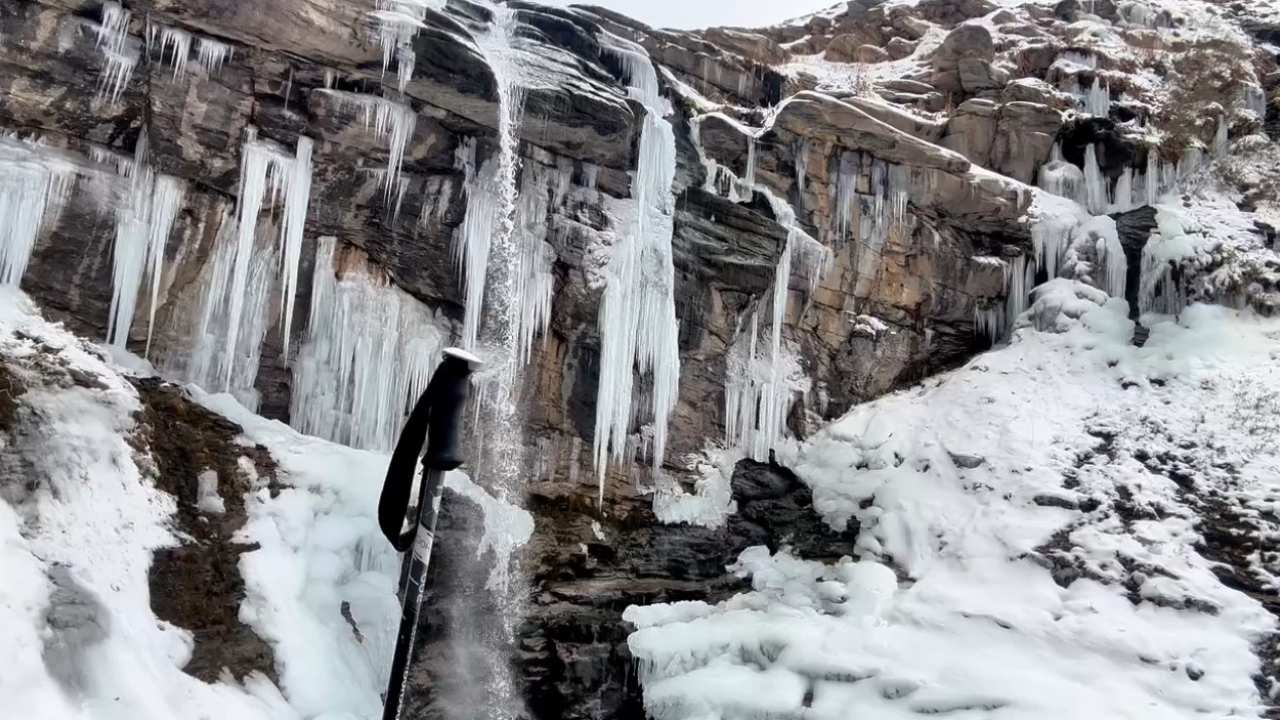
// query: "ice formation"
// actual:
[[542, 188], [1097, 101], [471, 248], [145, 213], [118, 54], [34, 184], [396, 23], [172, 42], [388, 119], [240, 279], [638, 327], [212, 54], [1177, 237], [369, 353], [1095, 185], [867, 218], [1255, 101], [1221, 139]]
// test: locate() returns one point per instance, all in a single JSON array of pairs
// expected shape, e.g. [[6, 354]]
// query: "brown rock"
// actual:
[[899, 48], [870, 54]]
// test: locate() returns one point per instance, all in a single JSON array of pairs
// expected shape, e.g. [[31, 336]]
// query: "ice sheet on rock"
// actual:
[[369, 353]]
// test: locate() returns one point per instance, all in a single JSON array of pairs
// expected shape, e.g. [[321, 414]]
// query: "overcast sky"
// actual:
[[691, 14]]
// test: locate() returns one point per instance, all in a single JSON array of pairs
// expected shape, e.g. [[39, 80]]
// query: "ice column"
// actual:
[[638, 326]]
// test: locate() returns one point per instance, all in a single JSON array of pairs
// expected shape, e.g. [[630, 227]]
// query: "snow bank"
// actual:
[[92, 518], [1020, 557]]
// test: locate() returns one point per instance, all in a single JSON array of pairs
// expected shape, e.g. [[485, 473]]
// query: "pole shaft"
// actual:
[[417, 560]]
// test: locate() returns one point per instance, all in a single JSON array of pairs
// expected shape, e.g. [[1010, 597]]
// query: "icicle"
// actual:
[[1095, 185], [296, 201], [113, 42], [1122, 199], [750, 177], [288, 88], [329, 79], [1050, 237], [387, 119], [1222, 139], [1153, 177], [802, 167], [369, 352], [144, 217], [212, 54], [1097, 101], [174, 43], [543, 189], [396, 23], [1255, 101], [989, 322], [1020, 277], [1111, 255], [637, 316], [242, 274], [406, 59], [34, 185]]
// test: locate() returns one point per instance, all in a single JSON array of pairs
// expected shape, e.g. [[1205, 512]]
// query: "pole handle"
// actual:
[[438, 412]]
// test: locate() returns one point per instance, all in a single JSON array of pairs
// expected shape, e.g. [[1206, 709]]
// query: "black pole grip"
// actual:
[[444, 433], [447, 391]]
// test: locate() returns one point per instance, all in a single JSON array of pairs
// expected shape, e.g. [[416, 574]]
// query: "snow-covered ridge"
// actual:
[[1020, 558]]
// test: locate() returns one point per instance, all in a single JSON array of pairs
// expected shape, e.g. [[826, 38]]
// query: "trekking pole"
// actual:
[[437, 420]]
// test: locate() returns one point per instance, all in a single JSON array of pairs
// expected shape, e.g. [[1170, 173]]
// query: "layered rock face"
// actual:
[[863, 175]]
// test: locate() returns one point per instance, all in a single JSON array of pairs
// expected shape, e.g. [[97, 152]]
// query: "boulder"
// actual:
[[972, 130], [969, 40], [870, 54], [899, 48], [1024, 139], [844, 48]]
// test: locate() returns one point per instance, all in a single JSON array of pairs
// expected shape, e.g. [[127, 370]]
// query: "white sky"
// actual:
[[691, 14]]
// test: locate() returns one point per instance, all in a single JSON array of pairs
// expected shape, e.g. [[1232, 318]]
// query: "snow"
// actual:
[[86, 527], [951, 607]]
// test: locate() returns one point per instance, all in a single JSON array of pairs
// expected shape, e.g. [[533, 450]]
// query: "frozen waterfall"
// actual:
[[638, 326], [35, 183]]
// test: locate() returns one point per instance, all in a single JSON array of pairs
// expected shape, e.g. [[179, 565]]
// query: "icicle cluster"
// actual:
[[144, 217], [870, 197], [235, 300], [388, 119], [369, 353], [35, 183], [638, 326], [396, 23], [173, 43], [212, 54], [1132, 190], [113, 43], [542, 189], [1097, 100]]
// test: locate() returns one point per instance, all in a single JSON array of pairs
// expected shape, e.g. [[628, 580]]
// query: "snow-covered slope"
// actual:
[[77, 537], [1053, 531]]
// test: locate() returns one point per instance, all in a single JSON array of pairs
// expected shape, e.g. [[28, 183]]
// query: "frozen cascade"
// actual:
[[760, 389], [1020, 277], [370, 350], [388, 119], [1122, 198], [868, 218], [120, 57], [35, 182], [1222, 139], [1062, 179], [1176, 237], [638, 326], [267, 171], [144, 217]]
